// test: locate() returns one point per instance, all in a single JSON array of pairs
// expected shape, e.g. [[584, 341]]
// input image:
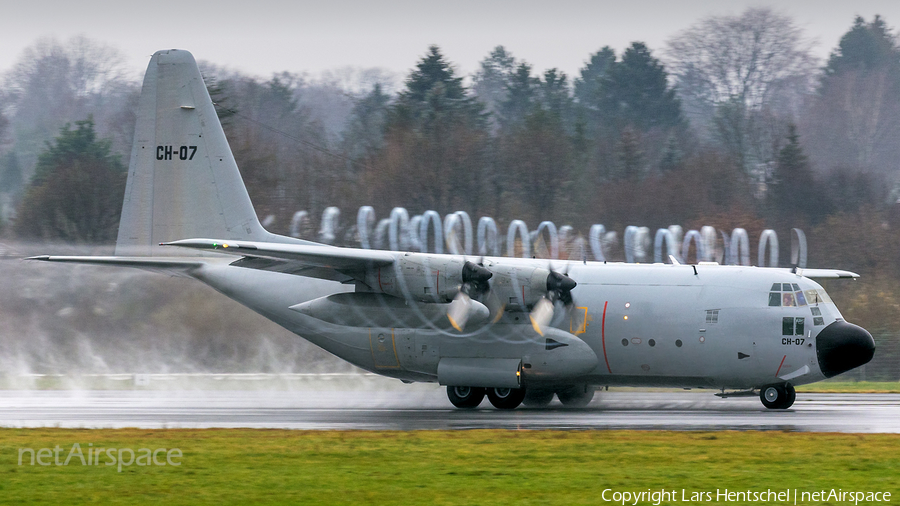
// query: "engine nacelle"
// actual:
[[518, 287], [424, 278], [438, 278], [366, 310]]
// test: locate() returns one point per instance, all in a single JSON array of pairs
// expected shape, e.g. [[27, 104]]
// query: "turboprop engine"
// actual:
[[424, 278], [468, 287]]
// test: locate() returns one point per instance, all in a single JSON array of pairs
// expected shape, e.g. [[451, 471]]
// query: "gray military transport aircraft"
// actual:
[[510, 328]]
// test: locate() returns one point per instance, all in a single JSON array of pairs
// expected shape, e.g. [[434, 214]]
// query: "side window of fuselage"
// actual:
[[791, 326]]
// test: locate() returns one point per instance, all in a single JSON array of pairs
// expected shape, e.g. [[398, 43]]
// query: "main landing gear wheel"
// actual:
[[465, 397], [778, 396], [576, 396], [506, 398], [537, 398]]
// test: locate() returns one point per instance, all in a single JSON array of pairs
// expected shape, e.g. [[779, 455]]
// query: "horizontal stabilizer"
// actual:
[[155, 263]]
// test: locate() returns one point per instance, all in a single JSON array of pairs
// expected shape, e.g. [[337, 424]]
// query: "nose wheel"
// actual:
[[778, 396]]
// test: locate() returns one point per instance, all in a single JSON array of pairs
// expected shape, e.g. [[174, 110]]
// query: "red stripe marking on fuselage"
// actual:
[[779, 365], [603, 336]]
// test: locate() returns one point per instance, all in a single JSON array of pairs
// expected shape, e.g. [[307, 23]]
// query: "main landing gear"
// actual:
[[465, 397], [778, 396], [510, 398], [471, 397]]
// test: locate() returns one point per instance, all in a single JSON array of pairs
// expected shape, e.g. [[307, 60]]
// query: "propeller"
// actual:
[[559, 288], [474, 284]]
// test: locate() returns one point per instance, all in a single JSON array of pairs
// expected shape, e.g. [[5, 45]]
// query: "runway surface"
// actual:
[[426, 407]]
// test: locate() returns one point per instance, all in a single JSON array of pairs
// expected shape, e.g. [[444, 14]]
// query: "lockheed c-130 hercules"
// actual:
[[510, 328]]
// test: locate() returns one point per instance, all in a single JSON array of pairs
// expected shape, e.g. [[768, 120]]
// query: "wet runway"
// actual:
[[427, 408]]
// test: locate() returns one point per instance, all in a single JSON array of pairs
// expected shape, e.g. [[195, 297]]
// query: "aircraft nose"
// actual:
[[841, 346]]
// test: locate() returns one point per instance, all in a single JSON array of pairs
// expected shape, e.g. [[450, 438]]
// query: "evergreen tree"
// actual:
[[521, 96], [791, 189], [854, 120], [431, 71], [636, 92], [492, 79], [588, 87], [866, 47], [77, 190], [589, 90], [436, 138], [364, 134], [630, 157], [554, 95]]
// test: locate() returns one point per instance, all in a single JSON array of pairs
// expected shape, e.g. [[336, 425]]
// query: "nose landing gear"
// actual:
[[778, 396]]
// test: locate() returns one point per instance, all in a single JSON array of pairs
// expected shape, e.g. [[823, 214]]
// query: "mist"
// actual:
[[76, 320]]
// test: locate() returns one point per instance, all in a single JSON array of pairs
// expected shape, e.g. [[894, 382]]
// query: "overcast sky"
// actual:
[[266, 36]]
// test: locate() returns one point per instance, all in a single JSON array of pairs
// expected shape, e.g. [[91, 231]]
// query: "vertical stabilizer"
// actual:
[[183, 181]]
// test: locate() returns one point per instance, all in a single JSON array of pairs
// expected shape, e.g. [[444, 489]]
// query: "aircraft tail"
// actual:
[[183, 181]]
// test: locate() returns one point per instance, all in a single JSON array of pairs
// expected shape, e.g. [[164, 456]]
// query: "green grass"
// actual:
[[852, 387], [438, 467]]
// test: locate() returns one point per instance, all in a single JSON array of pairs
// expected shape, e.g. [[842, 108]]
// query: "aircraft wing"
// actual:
[[302, 255], [310, 260], [315, 261]]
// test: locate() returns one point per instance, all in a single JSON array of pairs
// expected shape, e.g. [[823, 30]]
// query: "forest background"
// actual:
[[734, 123]]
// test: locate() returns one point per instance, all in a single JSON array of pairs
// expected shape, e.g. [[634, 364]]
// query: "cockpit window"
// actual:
[[787, 299], [790, 295], [775, 299], [817, 297]]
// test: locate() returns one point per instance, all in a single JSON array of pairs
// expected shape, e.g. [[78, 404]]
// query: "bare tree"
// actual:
[[854, 120], [729, 69], [56, 83]]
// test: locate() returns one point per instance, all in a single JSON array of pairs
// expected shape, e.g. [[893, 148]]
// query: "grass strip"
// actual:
[[247, 466], [852, 387]]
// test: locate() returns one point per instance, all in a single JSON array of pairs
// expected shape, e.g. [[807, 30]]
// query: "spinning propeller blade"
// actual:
[[474, 284], [559, 288]]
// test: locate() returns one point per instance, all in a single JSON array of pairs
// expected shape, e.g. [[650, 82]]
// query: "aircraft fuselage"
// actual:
[[705, 326]]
